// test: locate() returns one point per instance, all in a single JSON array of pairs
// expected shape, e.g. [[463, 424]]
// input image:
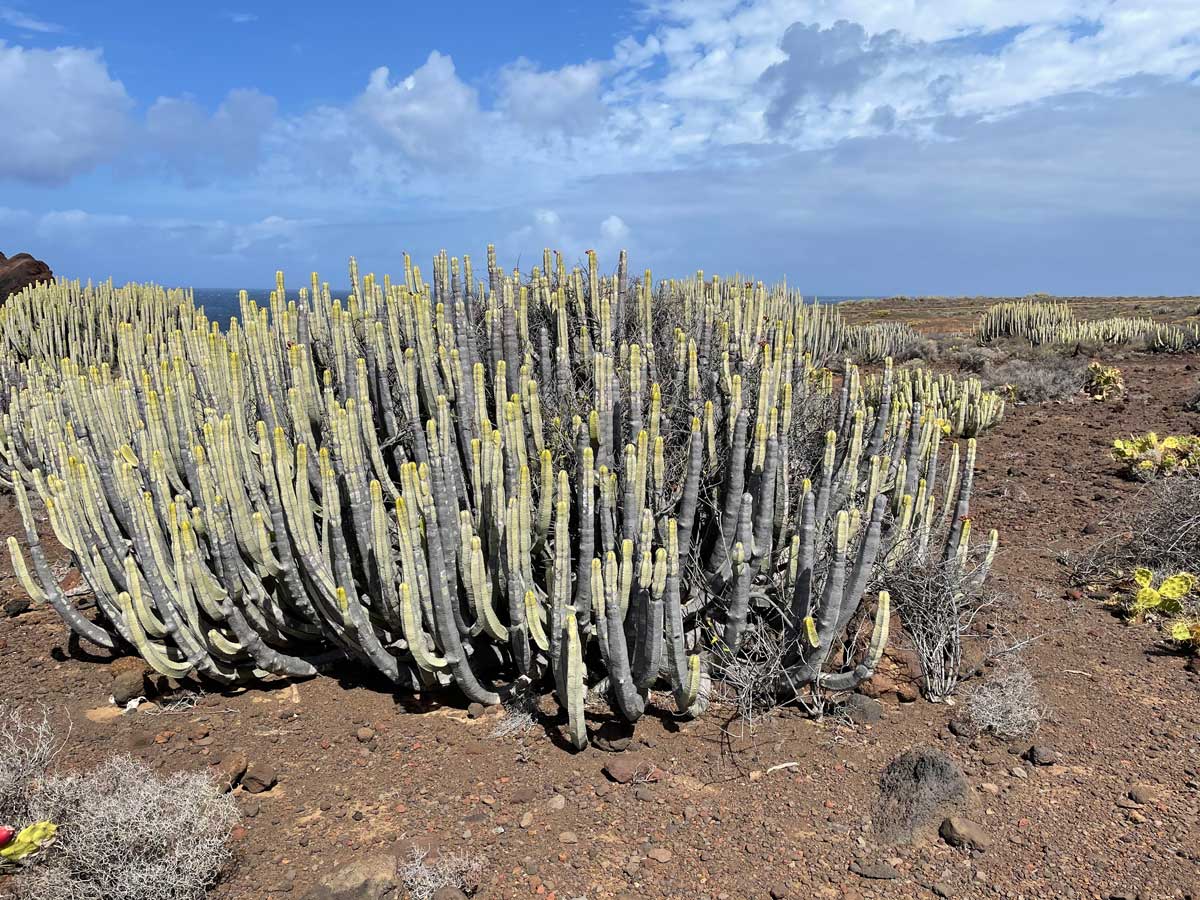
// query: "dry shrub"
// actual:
[[938, 601], [127, 834], [1159, 529], [1043, 377], [423, 877], [1006, 705], [918, 788], [1193, 403], [748, 682], [27, 748]]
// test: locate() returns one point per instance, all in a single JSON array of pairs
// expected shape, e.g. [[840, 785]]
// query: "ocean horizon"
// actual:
[[221, 303]]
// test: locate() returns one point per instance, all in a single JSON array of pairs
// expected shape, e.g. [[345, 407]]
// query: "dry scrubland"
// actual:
[[573, 584]]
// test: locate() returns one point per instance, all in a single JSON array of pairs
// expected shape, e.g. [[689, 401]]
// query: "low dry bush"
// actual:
[[123, 832], [28, 746], [937, 601], [1159, 529], [1036, 379], [423, 877], [1007, 704]]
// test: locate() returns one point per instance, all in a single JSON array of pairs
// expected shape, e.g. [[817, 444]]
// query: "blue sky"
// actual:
[[855, 146]]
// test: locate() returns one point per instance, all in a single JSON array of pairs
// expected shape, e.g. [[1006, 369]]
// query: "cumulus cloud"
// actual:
[[198, 144], [63, 113], [428, 115], [565, 99], [824, 63]]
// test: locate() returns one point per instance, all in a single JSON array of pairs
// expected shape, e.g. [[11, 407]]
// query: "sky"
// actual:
[[855, 147]]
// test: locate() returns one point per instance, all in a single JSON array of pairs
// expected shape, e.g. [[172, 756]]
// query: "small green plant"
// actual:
[[1148, 456], [1175, 601], [1184, 630], [1104, 382], [1166, 599]]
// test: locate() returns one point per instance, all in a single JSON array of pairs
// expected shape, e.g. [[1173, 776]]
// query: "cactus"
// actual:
[[567, 477]]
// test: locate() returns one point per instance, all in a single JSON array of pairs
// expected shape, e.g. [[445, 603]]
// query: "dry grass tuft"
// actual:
[[1006, 705], [423, 877]]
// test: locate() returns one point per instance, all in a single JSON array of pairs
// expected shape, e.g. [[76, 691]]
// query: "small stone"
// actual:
[[628, 767], [962, 727], [259, 778], [1041, 755], [941, 889], [614, 735], [660, 854], [476, 710], [1091, 528], [14, 608], [370, 878], [780, 892], [568, 837], [961, 832], [1018, 772], [906, 692], [876, 870], [862, 709], [526, 819], [128, 686], [229, 771], [365, 735], [448, 892], [988, 788], [1142, 793], [557, 802]]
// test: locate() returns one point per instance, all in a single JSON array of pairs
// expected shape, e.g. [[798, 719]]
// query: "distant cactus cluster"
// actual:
[[578, 479], [1039, 322], [877, 341]]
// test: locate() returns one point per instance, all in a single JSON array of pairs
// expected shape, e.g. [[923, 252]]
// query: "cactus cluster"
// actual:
[[1103, 382], [573, 478], [1053, 323], [877, 341], [1146, 456], [960, 405]]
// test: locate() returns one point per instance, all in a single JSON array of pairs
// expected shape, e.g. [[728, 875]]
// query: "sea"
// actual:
[[221, 303]]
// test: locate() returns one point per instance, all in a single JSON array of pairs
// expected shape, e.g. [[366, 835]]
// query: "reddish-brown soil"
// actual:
[[949, 315], [782, 811]]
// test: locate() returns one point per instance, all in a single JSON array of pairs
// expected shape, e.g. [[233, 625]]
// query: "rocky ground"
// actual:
[[341, 777]]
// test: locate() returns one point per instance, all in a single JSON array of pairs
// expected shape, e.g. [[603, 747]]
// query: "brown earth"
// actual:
[[20, 271], [949, 315], [780, 812]]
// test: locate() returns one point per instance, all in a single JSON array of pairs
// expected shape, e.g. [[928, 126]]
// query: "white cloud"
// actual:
[[63, 113], [23, 21], [428, 115], [562, 100], [241, 18], [614, 229], [198, 144]]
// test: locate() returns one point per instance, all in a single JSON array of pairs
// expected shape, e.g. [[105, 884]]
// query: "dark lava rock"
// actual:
[[862, 709], [20, 271], [1041, 755], [614, 735], [876, 870], [259, 778], [128, 686]]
